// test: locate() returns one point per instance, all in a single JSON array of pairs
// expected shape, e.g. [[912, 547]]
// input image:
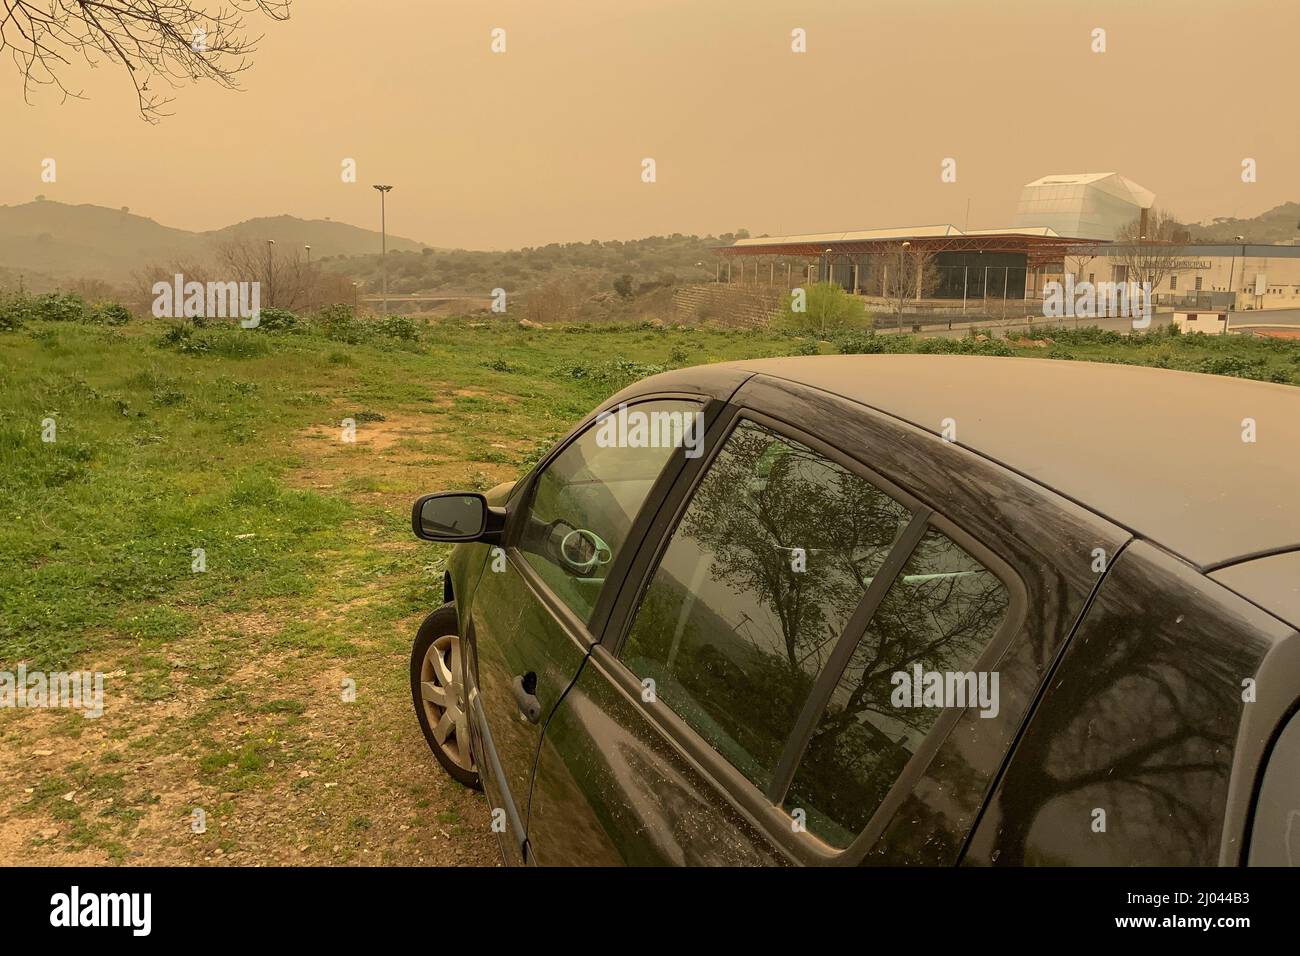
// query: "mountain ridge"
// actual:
[[86, 240]]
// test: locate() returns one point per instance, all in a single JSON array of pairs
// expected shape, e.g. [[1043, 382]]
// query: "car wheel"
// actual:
[[437, 691]]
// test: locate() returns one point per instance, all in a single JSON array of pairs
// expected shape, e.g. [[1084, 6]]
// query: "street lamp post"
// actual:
[[383, 240], [899, 280], [1232, 270]]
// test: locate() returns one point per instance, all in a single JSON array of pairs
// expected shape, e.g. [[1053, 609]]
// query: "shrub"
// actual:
[[338, 324], [14, 311], [182, 339], [110, 313], [1232, 365], [827, 309], [868, 344], [396, 326], [276, 320]]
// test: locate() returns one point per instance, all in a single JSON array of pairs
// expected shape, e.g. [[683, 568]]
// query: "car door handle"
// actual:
[[529, 705]]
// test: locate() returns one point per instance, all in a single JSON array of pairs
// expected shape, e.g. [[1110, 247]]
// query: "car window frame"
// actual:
[[749, 799], [590, 631]]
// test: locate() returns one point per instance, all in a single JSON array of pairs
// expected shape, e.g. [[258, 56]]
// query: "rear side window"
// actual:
[[1275, 839], [770, 559], [937, 618]]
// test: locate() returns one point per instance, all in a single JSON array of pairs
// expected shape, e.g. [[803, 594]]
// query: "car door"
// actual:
[[529, 626], [1144, 747], [739, 708]]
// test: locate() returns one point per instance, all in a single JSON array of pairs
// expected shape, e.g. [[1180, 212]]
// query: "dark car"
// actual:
[[884, 609]]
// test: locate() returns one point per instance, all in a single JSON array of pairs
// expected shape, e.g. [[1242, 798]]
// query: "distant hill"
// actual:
[[95, 242], [1279, 224]]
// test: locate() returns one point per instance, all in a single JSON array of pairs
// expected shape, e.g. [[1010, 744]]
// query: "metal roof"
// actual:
[[861, 235], [1038, 242], [1159, 452]]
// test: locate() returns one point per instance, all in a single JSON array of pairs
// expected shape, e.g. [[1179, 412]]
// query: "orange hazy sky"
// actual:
[[544, 143]]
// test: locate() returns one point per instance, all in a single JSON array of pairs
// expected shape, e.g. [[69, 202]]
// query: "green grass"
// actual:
[[161, 450]]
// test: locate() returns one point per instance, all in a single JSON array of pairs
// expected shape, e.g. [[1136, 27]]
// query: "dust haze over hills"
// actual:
[[60, 241], [1279, 224], [51, 244]]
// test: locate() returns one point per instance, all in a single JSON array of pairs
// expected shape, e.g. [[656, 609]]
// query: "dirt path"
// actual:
[[247, 719]]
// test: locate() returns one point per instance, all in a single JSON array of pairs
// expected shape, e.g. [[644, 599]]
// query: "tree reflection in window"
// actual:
[[772, 556], [940, 613]]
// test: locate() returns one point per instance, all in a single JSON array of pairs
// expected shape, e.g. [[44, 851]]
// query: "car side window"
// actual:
[[585, 500], [1275, 839], [769, 560], [913, 662]]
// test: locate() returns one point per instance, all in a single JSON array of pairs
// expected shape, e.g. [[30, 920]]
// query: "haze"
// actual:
[[544, 143]]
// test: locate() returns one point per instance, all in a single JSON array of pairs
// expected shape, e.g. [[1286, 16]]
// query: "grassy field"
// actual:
[[224, 686]]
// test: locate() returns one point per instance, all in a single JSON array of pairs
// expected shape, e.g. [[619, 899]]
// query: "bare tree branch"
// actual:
[[155, 41]]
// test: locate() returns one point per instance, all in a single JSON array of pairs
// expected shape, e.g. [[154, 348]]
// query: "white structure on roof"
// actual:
[[1083, 205]]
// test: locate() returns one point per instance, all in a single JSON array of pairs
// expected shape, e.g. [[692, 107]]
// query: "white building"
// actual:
[[1082, 205]]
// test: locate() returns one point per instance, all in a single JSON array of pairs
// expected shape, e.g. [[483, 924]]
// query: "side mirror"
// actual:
[[457, 516]]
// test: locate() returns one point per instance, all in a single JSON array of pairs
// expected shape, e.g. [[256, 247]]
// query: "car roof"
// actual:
[[1272, 582], [1159, 452]]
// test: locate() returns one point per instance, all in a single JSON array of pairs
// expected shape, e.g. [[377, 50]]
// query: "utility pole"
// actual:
[[383, 243], [270, 274]]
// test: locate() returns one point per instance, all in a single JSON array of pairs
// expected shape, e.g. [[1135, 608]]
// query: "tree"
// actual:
[[905, 272], [155, 41], [1152, 255], [623, 286]]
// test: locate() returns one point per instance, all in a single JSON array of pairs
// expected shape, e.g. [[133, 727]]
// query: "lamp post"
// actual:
[[270, 274], [1232, 269], [899, 280], [354, 300], [383, 243], [309, 282]]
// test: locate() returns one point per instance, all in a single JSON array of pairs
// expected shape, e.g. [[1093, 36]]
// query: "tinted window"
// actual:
[[586, 499], [771, 557], [1275, 840], [938, 617]]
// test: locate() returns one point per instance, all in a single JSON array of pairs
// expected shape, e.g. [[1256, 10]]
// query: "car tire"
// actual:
[[437, 692]]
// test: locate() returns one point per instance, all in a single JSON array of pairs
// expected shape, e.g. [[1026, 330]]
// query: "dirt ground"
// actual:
[[246, 719]]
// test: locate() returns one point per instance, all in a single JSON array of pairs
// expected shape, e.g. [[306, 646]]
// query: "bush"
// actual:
[[827, 309], [1232, 365], [276, 320], [110, 313], [868, 344], [338, 324], [182, 339], [61, 307], [14, 311], [396, 326]]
